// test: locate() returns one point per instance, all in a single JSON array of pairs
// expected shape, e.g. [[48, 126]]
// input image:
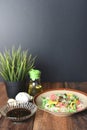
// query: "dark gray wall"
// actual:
[[54, 30]]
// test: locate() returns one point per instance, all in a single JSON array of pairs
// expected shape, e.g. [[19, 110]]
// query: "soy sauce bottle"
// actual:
[[35, 82]]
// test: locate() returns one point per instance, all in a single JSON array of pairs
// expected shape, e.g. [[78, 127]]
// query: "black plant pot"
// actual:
[[13, 88]]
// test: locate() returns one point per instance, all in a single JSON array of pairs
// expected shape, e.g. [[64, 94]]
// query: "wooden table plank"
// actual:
[[26, 125], [49, 85], [45, 121], [77, 85], [78, 121], [3, 94], [7, 124]]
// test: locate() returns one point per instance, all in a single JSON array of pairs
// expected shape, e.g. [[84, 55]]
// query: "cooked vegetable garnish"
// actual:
[[66, 102]]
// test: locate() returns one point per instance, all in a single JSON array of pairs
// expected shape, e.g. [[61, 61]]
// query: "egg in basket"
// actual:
[[18, 111]]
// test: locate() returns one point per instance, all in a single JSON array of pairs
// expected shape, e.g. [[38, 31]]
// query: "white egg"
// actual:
[[22, 97], [11, 101], [29, 96]]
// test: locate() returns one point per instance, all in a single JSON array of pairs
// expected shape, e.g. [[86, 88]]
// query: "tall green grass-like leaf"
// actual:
[[15, 64]]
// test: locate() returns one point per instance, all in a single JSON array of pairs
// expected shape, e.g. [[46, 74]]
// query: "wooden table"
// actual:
[[43, 120]]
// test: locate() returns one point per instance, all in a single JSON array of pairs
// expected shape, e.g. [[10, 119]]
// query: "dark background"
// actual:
[[54, 30]]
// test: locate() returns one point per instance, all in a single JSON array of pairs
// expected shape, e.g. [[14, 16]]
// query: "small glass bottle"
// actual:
[[35, 83]]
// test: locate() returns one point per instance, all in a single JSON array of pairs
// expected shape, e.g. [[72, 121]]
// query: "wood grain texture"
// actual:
[[46, 121], [43, 120], [3, 94], [7, 124], [77, 85], [49, 85]]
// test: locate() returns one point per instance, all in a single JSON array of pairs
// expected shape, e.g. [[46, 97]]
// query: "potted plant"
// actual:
[[14, 67]]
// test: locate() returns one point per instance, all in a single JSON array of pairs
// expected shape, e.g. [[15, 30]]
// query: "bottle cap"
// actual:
[[34, 74]]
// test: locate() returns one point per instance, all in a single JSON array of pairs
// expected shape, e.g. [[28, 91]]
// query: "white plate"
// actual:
[[82, 96]]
